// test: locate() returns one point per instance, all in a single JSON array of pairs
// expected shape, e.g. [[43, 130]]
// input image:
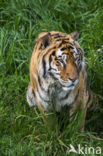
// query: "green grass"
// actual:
[[22, 131]]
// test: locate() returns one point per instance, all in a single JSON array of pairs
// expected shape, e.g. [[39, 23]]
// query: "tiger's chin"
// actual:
[[69, 88]]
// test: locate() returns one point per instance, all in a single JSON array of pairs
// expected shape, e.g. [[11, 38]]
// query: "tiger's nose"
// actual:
[[73, 79]]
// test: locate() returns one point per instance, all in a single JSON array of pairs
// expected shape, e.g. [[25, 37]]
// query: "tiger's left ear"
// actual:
[[45, 40], [75, 35]]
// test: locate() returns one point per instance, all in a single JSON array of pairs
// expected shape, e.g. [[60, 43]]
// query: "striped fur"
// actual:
[[57, 73]]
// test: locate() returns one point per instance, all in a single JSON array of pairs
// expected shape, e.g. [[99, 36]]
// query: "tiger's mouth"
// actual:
[[72, 87], [69, 85]]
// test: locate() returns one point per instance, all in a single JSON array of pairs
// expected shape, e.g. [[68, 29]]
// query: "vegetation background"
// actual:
[[22, 131]]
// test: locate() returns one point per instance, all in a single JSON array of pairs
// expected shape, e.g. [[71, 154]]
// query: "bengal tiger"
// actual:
[[57, 73]]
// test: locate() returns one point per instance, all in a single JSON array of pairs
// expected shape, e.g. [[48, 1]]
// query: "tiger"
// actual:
[[58, 75]]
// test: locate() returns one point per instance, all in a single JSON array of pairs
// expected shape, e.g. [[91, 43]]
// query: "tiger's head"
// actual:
[[59, 57]]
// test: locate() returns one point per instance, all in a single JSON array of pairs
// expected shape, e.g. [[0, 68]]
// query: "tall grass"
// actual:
[[22, 131]]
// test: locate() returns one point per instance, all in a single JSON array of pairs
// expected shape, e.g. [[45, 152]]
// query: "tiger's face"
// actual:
[[62, 58]]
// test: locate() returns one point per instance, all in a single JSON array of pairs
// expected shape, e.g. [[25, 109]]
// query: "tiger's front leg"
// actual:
[[83, 107], [84, 99], [48, 117], [30, 96]]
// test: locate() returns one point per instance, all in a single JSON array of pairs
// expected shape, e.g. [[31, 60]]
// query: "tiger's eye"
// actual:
[[53, 53]]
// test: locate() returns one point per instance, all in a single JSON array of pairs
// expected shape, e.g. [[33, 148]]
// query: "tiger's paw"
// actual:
[[30, 96]]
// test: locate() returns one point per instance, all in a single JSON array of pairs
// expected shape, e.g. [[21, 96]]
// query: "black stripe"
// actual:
[[62, 49], [66, 96], [67, 39], [42, 97], [31, 98], [40, 85], [50, 57], [80, 67], [52, 75], [44, 67], [50, 60], [75, 98], [64, 42], [79, 50], [58, 40], [49, 51], [55, 34], [70, 47], [61, 61], [44, 63], [60, 45], [60, 36], [53, 69]]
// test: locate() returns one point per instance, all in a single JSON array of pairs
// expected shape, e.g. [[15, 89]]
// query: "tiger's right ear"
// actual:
[[75, 35], [45, 40]]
